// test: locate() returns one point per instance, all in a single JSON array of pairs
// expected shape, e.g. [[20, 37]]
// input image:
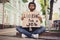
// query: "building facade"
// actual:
[[10, 12], [13, 11]]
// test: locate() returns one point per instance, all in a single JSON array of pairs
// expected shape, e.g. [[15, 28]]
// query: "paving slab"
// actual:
[[10, 34]]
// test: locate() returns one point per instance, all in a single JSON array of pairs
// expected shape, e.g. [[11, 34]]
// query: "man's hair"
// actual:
[[32, 3]]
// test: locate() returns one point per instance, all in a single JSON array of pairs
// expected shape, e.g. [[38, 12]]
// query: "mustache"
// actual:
[[32, 9]]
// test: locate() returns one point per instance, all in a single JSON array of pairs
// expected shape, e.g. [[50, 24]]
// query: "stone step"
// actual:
[[49, 38], [57, 34], [53, 34]]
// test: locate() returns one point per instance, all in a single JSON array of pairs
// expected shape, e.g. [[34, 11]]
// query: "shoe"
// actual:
[[35, 35], [24, 36]]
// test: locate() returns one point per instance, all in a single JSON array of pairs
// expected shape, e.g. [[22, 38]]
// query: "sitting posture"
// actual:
[[31, 21]]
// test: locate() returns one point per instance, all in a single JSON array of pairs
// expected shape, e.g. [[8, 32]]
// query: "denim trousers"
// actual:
[[29, 34]]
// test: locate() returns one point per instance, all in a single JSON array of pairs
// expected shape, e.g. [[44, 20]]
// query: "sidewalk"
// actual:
[[10, 34]]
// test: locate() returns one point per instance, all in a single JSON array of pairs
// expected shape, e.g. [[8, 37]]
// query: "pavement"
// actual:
[[10, 34]]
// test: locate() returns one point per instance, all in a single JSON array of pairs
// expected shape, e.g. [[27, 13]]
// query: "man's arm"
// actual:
[[23, 16], [40, 18]]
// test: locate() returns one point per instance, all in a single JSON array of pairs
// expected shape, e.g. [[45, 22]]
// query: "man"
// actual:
[[32, 21]]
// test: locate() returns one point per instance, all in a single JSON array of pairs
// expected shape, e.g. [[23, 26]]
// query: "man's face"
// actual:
[[31, 7]]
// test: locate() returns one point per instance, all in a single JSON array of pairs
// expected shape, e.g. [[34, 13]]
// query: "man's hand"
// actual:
[[22, 18], [40, 19]]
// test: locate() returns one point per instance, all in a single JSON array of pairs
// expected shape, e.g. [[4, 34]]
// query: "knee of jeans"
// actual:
[[43, 28], [17, 28]]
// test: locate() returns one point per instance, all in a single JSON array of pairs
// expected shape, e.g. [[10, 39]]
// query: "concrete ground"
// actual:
[[10, 34]]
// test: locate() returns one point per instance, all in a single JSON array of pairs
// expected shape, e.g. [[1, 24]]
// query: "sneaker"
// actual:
[[23, 35], [35, 35]]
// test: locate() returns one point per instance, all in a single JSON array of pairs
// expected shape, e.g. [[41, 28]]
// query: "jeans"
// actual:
[[29, 34]]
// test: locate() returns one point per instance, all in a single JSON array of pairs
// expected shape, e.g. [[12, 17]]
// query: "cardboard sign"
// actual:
[[31, 20]]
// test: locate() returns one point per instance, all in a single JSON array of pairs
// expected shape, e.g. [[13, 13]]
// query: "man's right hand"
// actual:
[[22, 18]]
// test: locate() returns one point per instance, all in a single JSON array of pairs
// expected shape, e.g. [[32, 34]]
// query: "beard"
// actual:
[[32, 9]]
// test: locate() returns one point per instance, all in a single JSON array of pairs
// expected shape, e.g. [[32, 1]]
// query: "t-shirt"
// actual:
[[31, 19]]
